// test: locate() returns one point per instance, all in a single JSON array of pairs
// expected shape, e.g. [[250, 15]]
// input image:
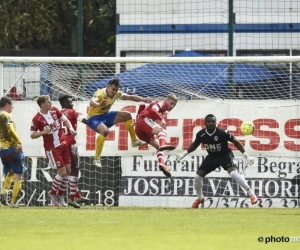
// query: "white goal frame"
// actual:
[[288, 60]]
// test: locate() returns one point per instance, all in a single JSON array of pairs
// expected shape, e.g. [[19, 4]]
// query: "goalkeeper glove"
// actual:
[[181, 156], [249, 159]]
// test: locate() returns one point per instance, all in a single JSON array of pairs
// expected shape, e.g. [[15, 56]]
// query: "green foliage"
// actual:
[[44, 24]]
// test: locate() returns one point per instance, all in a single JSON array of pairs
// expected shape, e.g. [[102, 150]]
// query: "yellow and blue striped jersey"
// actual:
[[100, 94]]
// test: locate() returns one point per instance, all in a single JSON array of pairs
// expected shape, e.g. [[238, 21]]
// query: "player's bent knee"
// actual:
[[124, 116], [62, 172], [231, 170], [158, 130], [201, 173], [102, 130]]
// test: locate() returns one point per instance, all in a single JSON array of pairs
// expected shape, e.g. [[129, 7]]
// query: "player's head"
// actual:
[[66, 101], [112, 87], [210, 122], [44, 102], [6, 104], [171, 101]]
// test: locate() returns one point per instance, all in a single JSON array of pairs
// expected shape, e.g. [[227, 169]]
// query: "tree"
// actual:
[[48, 24]]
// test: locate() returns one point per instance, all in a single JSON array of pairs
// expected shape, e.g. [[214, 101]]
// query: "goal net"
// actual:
[[264, 90]]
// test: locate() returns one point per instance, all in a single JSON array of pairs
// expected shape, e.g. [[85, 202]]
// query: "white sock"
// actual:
[[241, 181], [198, 183]]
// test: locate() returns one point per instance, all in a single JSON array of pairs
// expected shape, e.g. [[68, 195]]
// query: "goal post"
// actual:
[[263, 90]]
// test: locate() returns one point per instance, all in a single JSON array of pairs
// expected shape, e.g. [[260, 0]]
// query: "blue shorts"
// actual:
[[13, 160], [107, 119]]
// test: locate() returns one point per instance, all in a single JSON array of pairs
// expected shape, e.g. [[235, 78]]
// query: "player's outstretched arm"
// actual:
[[84, 120], [136, 98], [240, 147], [190, 149]]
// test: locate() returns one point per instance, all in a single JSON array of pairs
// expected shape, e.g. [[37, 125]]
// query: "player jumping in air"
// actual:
[[215, 140], [147, 128], [100, 118], [73, 116]]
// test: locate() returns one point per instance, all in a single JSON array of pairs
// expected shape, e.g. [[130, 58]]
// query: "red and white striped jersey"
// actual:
[[51, 120], [73, 116], [148, 110]]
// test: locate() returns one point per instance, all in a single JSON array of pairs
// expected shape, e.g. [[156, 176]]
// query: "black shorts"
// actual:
[[210, 163]]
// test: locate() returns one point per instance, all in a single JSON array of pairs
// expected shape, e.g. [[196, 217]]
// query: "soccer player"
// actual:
[[66, 102], [11, 153], [215, 141], [100, 118], [47, 123], [147, 127]]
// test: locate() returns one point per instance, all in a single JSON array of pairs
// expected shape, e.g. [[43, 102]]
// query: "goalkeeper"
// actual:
[[215, 140], [100, 118]]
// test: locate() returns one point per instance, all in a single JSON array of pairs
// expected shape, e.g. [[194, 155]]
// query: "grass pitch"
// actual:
[[146, 228]]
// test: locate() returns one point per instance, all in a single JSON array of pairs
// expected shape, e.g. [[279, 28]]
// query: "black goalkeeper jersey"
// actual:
[[216, 144]]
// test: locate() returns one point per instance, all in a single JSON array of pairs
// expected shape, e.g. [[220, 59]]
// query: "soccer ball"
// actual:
[[247, 128]]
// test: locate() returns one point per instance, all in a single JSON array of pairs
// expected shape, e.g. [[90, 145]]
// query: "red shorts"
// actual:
[[143, 129], [58, 157]]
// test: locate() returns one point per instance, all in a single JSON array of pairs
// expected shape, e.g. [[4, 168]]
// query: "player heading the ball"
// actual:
[[215, 141], [148, 129], [100, 118]]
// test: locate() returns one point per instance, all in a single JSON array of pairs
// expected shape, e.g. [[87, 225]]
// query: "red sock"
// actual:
[[73, 181], [160, 157], [162, 136], [78, 194], [56, 184], [63, 186]]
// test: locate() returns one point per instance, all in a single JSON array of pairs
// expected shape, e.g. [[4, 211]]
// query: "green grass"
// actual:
[[142, 228]]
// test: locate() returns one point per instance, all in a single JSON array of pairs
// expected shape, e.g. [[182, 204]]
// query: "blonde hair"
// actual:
[[172, 97], [41, 99]]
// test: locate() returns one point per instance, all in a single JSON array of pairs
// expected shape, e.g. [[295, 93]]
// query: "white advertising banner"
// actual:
[[277, 129], [273, 179], [275, 145]]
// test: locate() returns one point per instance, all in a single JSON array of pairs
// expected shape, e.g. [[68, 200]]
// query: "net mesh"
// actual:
[[265, 93], [256, 81]]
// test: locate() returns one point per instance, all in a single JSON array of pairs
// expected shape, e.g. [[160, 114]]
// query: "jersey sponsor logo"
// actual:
[[213, 147]]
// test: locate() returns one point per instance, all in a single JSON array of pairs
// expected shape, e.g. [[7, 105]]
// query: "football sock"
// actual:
[[7, 181], [160, 157], [100, 143], [198, 183], [162, 136], [16, 190], [241, 181], [131, 131], [56, 184], [73, 186], [63, 186], [78, 194]]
